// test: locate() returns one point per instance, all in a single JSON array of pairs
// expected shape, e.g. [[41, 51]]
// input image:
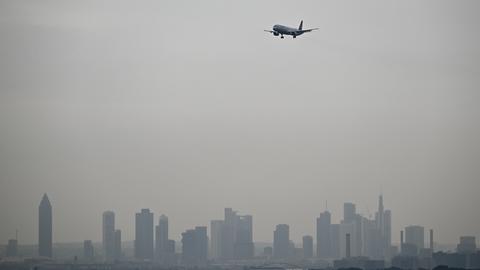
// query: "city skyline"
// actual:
[[357, 241], [155, 244]]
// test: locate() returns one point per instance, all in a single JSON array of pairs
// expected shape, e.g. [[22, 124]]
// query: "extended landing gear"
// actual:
[[281, 36], [294, 36]]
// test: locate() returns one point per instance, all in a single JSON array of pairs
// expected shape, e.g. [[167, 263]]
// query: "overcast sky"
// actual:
[[187, 107]]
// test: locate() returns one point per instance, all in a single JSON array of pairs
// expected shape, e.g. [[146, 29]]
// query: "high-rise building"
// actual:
[[401, 241], [188, 248], [228, 237], [281, 241], [371, 239], [195, 246], [347, 229], [347, 244], [430, 246], [324, 235], [216, 231], [201, 243], [117, 251], [232, 238], [88, 250], [467, 245], [349, 212], [359, 236], [144, 235], [108, 232], [387, 233], [45, 228], [353, 220], [307, 243], [380, 215], [268, 252], [161, 237], [243, 246], [383, 222], [171, 247], [415, 235], [335, 240], [12, 248], [170, 258]]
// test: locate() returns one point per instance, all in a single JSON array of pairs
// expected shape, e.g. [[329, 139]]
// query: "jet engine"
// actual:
[[275, 33]]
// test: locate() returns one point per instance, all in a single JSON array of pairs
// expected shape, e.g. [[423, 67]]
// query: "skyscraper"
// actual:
[[347, 244], [228, 237], [380, 215], [383, 222], [415, 235], [108, 235], [307, 242], [216, 231], [195, 246], [117, 250], [161, 237], [232, 237], [467, 245], [281, 241], [371, 239], [349, 212], [351, 224], [347, 229], [144, 235], [243, 246], [201, 244], [188, 248], [430, 246], [324, 235], [45, 228], [387, 233], [171, 247], [335, 240], [12, 248], [88, 250]]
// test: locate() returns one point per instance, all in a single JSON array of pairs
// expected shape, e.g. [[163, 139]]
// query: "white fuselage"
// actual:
[[285, 30]]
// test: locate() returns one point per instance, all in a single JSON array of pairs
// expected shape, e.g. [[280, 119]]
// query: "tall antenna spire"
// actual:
[[326, 205]]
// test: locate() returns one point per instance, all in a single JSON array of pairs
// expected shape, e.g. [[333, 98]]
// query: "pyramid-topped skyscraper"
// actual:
[[45, 228]]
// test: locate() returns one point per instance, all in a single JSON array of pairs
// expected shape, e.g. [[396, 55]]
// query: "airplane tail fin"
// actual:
[[301, 26]]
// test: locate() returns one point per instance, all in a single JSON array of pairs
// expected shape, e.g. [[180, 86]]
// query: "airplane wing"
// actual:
[[270, 31], [307, 30]]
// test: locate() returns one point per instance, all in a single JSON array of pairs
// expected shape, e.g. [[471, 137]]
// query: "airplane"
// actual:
[[285, 30]]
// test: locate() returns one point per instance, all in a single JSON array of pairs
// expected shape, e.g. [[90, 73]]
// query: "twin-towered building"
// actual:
[[111, 237], [232, 237]]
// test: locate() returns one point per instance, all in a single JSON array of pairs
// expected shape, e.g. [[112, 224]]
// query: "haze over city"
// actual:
[[189, 107]]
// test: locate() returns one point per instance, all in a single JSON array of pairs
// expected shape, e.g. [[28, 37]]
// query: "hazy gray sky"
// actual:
[[187, 107]]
